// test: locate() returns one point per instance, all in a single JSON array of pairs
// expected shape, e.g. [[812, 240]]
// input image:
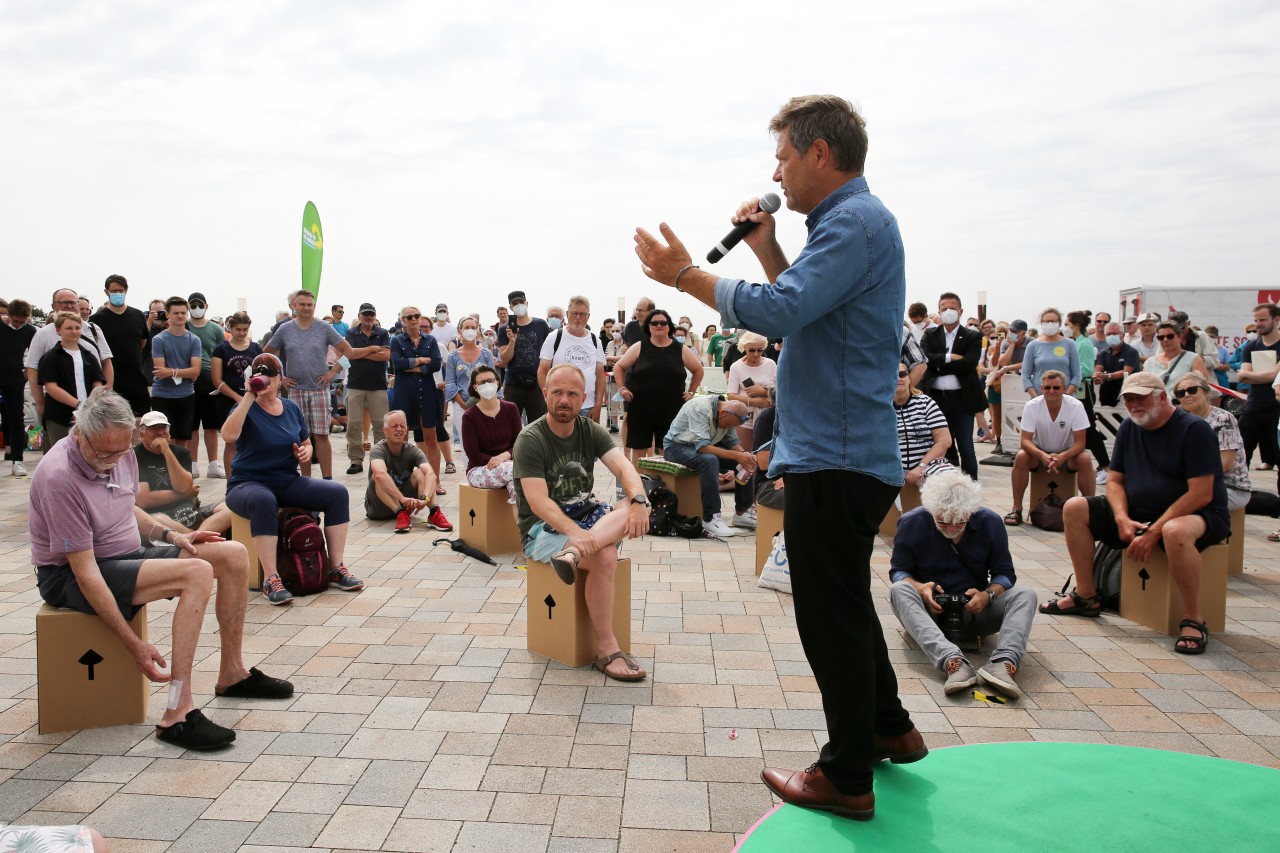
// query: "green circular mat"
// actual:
[[1046, 796]]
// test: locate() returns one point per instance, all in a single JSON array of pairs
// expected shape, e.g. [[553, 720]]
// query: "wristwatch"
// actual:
[[990, 594], [641, 500]]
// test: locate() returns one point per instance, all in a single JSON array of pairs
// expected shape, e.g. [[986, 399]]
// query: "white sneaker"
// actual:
[[1101, 479], [745, 519], [716, 527], [195, 471], [215, 471], [19, 470]]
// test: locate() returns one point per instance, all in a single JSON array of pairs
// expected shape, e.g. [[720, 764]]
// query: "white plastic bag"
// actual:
[[776, 574]]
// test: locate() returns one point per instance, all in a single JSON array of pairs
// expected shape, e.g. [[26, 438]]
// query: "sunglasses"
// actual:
[[266, 370], [903, 374], [408, 317], [754, 350], [1195, 389], [662, 323], [1168, 337], [1051, 388]]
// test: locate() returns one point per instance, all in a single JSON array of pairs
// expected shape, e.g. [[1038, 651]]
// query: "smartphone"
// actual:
[[748, 382], [511, 323]]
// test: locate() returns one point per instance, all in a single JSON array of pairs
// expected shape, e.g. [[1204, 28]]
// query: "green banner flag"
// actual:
[[312, 249]]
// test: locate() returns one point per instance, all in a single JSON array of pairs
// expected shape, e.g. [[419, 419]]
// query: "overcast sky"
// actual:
[[1044, 154]]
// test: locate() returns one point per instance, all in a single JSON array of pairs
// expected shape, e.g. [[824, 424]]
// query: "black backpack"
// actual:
[[555, 346], [664, 520]]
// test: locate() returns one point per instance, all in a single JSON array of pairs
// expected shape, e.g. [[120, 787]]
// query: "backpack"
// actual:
[[555, 346], [301, 556], [662, 507], [1047, 515], [1107, 563]]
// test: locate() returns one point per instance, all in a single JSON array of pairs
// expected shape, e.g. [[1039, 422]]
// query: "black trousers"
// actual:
[[1258, 429], [831, 519], [528, 399], [1093, 440], [15, 430]]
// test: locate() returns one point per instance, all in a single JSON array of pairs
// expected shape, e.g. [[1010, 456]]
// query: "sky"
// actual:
[[1044, 154]]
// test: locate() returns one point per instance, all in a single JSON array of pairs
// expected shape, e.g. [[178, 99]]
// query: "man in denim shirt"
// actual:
[[839, 308]]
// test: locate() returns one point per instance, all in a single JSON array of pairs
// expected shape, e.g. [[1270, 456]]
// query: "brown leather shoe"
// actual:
[[810, 789], [902, 749]]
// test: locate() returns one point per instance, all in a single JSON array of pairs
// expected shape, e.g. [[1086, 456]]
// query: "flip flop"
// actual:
[[602, 664]]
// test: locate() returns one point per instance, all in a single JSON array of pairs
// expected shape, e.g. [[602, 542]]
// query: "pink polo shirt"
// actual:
[[74, 508]]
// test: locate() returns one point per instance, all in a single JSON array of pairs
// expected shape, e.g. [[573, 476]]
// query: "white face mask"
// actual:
[[520, 310], [950, 316], [469, 334], [1050, 328], [487, 390], [442, 316], [1252, 336], [197, 313], [554, 323], [617, 336]]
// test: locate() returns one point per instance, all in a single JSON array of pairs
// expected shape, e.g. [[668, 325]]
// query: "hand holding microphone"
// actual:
[[747, 218], [665, 262]]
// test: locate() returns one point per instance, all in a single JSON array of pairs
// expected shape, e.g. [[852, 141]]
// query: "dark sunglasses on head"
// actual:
[[1194, 389]]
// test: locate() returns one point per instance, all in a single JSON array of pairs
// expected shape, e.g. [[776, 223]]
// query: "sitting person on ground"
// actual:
[[401, 481], [704, 438], [489, 432], [1166, 489], [166, 488], [953, 545], [924, 436], [67, 374], [1053, 440], [87, 545], [560, 520], [272, 440]]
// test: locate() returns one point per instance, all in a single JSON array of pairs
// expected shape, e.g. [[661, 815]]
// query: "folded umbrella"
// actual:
[[463, 548]]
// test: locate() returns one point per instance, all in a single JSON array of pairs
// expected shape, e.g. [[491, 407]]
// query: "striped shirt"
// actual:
[[917, 420]]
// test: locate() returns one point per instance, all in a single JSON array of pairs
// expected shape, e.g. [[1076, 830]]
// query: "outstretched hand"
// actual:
[[658, 260]]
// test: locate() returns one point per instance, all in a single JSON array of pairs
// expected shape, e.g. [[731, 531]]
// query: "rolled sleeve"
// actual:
[[1005, 581], [726, 291]]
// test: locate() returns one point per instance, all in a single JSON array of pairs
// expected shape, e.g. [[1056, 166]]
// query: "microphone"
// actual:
[[769, 203]]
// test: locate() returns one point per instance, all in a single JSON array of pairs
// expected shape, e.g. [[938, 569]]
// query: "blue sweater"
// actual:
[[980, 558]]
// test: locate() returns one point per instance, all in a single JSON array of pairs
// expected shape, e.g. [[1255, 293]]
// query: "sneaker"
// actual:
[[437, 521], [215, 471], [450, 468], [273, 589], [1101, 479], [619, 494], [344, 580], [19, 470], [195, 471], [745, 519], [404, 521], [1000, 674], [355, 467], [960, 676], [717, 528]]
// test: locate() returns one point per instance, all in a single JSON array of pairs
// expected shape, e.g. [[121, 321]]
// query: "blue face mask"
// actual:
[[679, 339], [1113, 340], [116, 299], [553, 323]]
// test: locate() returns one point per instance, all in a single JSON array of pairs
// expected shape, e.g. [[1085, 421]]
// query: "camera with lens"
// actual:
[[951, 619]]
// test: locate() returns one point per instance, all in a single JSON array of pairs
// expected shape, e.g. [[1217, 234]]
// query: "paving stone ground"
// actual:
[[421, 722]]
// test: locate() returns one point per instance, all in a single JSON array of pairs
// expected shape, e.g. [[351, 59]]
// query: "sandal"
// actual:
[[602, 664], [1013, 518], [1273, 536], [449, 468], [1083, 606], [1197, 644], [566, 564]]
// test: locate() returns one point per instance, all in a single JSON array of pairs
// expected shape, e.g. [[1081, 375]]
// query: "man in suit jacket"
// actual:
[[952, 380]]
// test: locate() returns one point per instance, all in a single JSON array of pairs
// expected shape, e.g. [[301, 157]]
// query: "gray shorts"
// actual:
[[59, 587]]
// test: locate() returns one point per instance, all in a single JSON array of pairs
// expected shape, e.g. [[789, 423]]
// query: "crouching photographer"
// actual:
[[953, 576]]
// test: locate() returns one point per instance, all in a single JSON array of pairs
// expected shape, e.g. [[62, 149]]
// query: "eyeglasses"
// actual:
[[579, 313], [105, 457], [903, 374], [408, 317], [1051, 388], [1168, 337], [1194, 389], [72, 302]]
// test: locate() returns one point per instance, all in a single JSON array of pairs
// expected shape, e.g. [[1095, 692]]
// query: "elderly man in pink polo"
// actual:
[[87, 545]]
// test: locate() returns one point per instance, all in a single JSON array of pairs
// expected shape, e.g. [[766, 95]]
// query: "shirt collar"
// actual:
[[81, 465], [850, 187]]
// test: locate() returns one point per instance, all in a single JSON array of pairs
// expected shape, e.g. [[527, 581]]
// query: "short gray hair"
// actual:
[[104, 410], [950, 496], [386, 419]]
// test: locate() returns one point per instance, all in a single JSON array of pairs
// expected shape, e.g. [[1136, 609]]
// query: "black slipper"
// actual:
[[257, 686], [196, 732]]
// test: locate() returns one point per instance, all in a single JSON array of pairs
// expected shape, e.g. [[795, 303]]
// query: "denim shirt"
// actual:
[[840, 308], [403, 353], [697, 425]]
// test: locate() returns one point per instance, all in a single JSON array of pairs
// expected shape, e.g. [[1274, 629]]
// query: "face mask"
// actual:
[[197, 313], [469, 334], [442, 316], [553, 323], [1070, 332], [1252, 336], [1050, 328], [679, 339], [1113, 340], [950, 316], [487, 390], [520, 310], [617, 336], [116, 299]]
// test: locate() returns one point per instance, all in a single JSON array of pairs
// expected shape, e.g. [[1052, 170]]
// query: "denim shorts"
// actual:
[[543, 542]]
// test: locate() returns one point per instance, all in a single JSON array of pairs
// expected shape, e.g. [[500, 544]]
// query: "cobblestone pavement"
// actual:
[[421, 722]]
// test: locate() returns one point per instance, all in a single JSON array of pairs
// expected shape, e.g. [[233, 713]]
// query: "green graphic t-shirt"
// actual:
[[567, 464]]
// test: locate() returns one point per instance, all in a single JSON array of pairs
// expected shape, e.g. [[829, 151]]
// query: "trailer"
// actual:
[[1227, 308]]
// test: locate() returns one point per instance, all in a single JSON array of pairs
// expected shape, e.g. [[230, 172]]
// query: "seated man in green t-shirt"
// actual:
[[401, 482], [559, 518]]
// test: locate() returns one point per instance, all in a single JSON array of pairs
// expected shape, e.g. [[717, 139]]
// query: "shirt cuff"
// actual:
[[1004, 581], [899, 575], [726, 291]]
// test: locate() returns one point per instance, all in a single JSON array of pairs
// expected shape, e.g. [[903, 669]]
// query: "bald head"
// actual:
[[732, 413]]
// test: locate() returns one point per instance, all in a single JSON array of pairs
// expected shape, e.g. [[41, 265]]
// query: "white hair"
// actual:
[[950, 496]]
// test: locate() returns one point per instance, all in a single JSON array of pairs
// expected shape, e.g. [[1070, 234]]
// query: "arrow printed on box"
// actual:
[[1146, 576], [90, 659], [472, 515], [550, 602]]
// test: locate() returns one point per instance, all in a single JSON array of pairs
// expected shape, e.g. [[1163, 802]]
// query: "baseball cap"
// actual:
[[1147, 318], [1018, 326], [1142, 383], [367, 308], [1130, 320], [516, 296], [198, 297], [151, 419], [442, 307]]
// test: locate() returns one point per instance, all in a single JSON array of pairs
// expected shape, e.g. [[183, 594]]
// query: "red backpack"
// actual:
[[301, 556]]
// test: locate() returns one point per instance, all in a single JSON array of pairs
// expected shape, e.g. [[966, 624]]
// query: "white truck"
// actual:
[[1228, 308]]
